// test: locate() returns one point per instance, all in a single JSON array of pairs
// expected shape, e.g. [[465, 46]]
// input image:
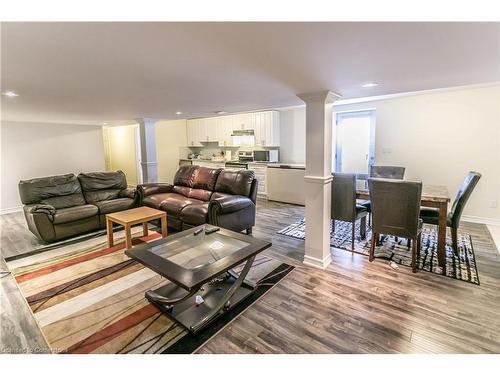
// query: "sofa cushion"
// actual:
[[65, 201], [182, 190], [38, 189], [235, 182], [206, 178], [100, 186], [174, 203], [66, 215], [186, 175], [195, 214], [114, 205], [155, 200], [201, 194]]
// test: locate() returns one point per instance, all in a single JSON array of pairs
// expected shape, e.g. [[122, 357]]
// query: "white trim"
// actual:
[[411, 93], [319, 96], [481, 220], [316, 262], [10, 210], [365, 99], [319, 179]]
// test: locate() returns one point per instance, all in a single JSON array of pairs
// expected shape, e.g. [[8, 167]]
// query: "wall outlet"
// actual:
[[386, 150], [494, 204]]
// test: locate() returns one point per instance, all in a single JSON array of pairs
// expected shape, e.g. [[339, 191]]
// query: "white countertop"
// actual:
[[287, 166], [230, 161]]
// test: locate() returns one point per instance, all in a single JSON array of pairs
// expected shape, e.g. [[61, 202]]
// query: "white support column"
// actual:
[[318, 177], [149, 164]]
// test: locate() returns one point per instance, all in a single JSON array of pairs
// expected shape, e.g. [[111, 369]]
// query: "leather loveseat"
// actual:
[[58, 207], [199, 195]]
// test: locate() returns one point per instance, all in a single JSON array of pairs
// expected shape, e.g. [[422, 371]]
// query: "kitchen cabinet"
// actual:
[[260, 170], [219, 129], [286, 184], [266, 128], [243, 121], [194, 133], [208, 130], [224, 126]]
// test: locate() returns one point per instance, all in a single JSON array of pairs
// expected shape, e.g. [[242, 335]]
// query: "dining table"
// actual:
[[436, 196]]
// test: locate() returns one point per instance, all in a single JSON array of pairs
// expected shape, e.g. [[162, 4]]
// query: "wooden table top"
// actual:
[[430, 193], [135, 215]]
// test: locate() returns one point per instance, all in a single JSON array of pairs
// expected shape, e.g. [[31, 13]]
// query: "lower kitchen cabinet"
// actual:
[[260, 170]]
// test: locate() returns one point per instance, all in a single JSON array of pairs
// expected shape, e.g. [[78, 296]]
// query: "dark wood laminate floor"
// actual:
[[352, 307]]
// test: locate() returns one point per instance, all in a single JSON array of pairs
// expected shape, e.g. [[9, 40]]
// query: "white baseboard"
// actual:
[[10, 210], [316, 262], [480, 220]]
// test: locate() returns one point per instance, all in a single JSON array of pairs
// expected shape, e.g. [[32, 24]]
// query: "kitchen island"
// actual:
[[285, 183]]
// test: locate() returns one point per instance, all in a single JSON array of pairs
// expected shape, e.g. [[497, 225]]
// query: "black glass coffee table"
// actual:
[[199, 265]]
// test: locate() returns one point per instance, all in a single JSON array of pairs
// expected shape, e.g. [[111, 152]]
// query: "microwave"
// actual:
[[270, 156]]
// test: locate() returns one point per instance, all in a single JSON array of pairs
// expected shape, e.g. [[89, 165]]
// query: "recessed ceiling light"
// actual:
[[369, 84], [220, 112], [10, 94], [105, 123], [178, 113]]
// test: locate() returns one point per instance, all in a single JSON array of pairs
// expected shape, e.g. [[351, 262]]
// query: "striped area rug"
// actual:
[[89, 298], [461, 267]]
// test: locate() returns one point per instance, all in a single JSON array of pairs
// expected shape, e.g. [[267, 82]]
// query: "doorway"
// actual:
[[122, 151], [354, 146]]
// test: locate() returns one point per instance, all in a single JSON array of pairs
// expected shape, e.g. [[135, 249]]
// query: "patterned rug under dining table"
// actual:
[[436, 196]]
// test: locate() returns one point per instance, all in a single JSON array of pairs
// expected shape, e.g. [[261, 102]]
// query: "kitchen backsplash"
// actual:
[[209, 150]]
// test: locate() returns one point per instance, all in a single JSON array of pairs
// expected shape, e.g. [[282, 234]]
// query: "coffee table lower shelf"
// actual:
[[195, 317]]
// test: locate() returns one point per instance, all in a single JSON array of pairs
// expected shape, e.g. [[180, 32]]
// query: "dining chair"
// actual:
[[383, 171], [387, 171], [395, 211], [343, 203], [431, 215]]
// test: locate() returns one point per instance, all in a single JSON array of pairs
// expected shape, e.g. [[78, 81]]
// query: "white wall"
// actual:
[[121, 151], [32, 150], [438, 136], [170, 136]]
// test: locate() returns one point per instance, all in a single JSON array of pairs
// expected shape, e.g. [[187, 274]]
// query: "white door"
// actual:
[[355, 142]]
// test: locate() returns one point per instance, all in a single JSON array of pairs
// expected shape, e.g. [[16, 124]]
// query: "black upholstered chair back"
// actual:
[[387, 171], [462, 197], [343, 205], [395, 206]]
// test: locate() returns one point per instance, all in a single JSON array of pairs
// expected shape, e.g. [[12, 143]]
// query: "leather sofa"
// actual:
[[63, 206], [199, 195]]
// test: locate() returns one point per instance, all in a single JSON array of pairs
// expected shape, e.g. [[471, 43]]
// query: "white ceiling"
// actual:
[[95, 72]]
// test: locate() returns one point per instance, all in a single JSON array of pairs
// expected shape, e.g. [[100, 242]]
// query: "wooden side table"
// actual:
[[134, 216]]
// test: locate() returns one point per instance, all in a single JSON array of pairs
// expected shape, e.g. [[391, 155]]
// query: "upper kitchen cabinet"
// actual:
[[243, 121], [209, 129], [224, 130], [265, 125], [267, 128], [194, 133]]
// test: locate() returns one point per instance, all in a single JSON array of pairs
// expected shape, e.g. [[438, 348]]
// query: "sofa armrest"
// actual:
[[128, 193], [39, 218], [229, 204], [40, 208]]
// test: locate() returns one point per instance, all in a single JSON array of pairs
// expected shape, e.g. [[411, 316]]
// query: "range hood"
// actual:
[[243, 133], [243, 138]]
